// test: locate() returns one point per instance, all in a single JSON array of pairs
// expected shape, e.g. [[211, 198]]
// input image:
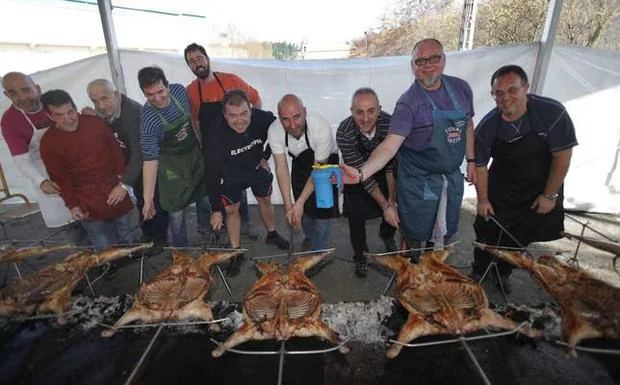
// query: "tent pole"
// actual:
[[107, 23], [545, 46]]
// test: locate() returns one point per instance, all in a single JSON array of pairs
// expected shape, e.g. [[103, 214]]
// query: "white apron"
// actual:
[[53, 209]]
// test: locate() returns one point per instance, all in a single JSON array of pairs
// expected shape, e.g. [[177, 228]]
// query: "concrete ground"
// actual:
[[337, 283]]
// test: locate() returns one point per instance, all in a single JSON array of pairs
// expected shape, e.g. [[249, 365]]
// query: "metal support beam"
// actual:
[[107, 23], [543, 57]]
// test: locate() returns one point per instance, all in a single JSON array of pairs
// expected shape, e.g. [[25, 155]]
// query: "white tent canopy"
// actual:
[[587, 81]]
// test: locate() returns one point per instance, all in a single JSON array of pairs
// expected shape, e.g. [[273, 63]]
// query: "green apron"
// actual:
[[181, 166]]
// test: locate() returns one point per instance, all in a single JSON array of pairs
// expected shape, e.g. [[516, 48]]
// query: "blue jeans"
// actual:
[[113, 231], [178, 228], [317, 230]]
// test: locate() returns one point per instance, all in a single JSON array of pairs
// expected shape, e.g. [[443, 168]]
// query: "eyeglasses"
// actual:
[[197, 60], [499, 94], [425, 60]]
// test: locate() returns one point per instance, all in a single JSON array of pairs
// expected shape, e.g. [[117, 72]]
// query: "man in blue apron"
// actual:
[[530, 139], [432, 131], [171, 154], [123, 116], [205, 95], [308, 139]]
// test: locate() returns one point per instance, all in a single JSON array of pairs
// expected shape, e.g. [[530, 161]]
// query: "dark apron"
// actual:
[[517, 176], [209, 112], [300, 172], [181, 166], [358, 204], [421, 173]]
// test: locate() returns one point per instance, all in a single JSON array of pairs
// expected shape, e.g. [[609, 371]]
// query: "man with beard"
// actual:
[[358, 136], [530, 139], [123, 116], [23, 125], [205, 95], [237, 161], [432, 130]]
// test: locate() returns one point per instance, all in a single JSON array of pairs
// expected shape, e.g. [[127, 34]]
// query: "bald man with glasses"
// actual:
[[430, 133]]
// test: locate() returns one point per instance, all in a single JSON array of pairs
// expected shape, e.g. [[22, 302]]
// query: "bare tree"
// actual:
[[585, 22]]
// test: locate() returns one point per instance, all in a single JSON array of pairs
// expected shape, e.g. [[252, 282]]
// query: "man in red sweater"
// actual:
[[82, 156]]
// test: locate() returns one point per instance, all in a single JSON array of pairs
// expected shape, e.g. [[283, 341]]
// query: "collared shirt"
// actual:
[[350, 138]]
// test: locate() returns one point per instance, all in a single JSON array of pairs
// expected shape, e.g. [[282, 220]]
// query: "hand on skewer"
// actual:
[[294, 215], [484, 208], [217, 220]]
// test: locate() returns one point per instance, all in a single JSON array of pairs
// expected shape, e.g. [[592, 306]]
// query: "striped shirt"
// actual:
[[151, 125], [350, 140]]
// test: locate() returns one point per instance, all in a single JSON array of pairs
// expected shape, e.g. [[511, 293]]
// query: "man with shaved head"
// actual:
[[123, 116], [23, 124], [432, 131], [308, 139]]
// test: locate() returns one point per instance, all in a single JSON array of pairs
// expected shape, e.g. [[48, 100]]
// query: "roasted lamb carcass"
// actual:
[[282, 304], [177, 293], [49, 290], [590, 307], [440, 300], [14, 255]]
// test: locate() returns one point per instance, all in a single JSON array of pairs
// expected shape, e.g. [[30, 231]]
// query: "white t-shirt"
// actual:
[[319, 135]]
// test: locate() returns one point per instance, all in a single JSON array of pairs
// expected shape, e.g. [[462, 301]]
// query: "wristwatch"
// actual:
[[551, 197], [124, 186]]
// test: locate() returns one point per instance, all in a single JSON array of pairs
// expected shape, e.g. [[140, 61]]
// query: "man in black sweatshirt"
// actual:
[[237, 155]]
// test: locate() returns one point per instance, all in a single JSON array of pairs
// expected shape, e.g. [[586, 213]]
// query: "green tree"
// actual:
[[284, 50]]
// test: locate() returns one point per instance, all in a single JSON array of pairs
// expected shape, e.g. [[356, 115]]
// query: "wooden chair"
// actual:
[[13, 211]]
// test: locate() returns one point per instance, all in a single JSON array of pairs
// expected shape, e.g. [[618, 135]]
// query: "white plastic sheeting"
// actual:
[[587, 81]]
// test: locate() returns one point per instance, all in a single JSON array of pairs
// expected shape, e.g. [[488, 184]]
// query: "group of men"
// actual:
[[209, 142]]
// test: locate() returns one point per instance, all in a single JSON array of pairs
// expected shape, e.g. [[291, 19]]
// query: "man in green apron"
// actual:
[[530, 139], [171, 153], [432, 130]]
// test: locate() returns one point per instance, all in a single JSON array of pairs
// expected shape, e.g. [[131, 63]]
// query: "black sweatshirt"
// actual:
[[231, 155]]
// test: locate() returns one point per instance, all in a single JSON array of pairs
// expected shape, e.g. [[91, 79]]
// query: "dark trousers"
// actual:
[[155, 229], [491, 234], [357, 235]]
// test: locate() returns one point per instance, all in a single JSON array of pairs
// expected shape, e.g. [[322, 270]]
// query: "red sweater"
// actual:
[[87, 165]]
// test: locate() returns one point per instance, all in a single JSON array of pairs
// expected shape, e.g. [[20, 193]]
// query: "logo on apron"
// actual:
[[453, 133], [182, 134]]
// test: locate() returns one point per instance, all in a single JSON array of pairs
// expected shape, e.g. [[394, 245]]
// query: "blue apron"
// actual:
[[421, 174]]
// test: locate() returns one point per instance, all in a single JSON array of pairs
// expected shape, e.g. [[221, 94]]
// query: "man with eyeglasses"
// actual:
[[431, 131], [205, 95], [530, 139]]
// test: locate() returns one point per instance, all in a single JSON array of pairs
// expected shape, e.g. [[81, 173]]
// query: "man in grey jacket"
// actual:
[[123, 115]]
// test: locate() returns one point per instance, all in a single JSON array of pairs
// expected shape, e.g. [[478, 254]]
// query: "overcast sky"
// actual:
[[290, 20]]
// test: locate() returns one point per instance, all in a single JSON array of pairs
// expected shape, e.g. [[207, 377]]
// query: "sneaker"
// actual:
[[390, 245], [234, 266], [248, 230], [273, 238], [361, 268]]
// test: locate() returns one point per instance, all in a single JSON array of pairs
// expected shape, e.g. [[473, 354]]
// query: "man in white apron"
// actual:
[[23, 124]]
